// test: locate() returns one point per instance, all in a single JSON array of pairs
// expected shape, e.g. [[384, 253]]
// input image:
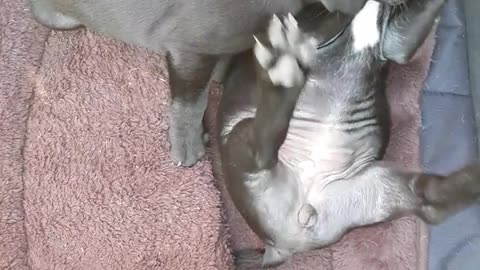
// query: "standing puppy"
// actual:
[[304, 133], [194, 33]]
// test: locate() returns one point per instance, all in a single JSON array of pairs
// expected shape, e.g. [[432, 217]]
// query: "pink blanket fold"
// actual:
[[21, 45], [100, 189]]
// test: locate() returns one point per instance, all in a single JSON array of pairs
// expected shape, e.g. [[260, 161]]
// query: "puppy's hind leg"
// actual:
[[45, 13], [441, 196], [433, 198], [382, 192]]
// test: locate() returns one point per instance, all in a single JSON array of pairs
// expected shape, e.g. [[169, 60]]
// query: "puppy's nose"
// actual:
[[307, 216]]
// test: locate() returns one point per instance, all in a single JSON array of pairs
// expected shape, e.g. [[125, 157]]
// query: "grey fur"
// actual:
[[194, 33], [302, 159]]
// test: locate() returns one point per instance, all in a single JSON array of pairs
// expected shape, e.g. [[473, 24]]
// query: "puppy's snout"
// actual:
[[307, 216]]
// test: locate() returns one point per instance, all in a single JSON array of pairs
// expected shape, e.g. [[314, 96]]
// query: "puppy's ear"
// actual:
[[350, 7], [406, 27]]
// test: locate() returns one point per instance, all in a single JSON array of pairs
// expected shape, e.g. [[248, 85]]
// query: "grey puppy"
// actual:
[[195, 34], [305, 124]]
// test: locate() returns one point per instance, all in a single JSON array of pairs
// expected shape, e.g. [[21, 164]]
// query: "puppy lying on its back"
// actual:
[[304, 133]]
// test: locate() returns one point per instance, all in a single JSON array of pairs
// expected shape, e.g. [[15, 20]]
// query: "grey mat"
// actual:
[[472, 25], [448, 138]]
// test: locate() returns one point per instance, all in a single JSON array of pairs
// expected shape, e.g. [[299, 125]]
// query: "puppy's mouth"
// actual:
[[334, 38], [327, 27]]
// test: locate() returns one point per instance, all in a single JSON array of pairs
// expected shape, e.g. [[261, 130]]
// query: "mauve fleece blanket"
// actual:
[[85, 177]]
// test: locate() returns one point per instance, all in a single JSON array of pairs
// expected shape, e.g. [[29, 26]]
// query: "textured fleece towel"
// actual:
[[21, 45], [398, 245], [100, 189]]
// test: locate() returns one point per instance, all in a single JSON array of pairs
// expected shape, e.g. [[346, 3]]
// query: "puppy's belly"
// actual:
[[317, 152]]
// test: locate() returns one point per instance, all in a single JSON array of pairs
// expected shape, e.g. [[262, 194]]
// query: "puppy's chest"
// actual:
[[317, 147], [315, 150]]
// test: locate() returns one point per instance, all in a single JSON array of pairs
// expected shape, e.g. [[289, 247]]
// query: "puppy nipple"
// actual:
[[307, 216]]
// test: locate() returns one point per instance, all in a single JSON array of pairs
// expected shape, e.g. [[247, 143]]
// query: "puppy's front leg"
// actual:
[[283, 62], [189, 74], [250, 154]]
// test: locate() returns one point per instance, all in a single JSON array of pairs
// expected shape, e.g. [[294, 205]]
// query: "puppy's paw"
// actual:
[[187, 138], [187, 145], [289, 54]]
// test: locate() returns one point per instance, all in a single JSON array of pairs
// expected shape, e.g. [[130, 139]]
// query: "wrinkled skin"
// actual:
[[305, 126]]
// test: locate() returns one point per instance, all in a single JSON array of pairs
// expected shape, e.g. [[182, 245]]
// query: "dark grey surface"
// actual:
[[472, 23], [448, 138]]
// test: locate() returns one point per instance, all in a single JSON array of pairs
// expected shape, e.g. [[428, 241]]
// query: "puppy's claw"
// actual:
[[292, 32], [276, 20], [263, 55], [179, 164], [257, 41], [292, 20], [276, 33]]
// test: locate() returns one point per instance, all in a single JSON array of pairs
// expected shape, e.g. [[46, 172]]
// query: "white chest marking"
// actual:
[[365, 30]]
